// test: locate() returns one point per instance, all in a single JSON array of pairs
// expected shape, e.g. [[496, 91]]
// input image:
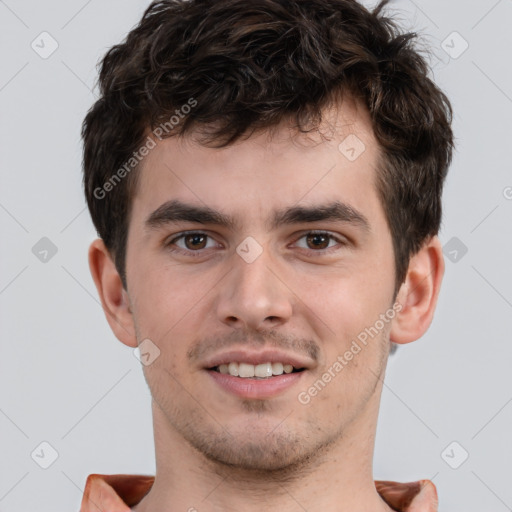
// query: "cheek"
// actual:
[[171, 310], [347, 302], [166, 298]]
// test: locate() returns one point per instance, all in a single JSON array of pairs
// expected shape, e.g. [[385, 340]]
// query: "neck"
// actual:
[[338, 480]]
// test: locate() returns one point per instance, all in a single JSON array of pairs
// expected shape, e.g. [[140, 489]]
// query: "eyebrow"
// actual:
[[177, 211]]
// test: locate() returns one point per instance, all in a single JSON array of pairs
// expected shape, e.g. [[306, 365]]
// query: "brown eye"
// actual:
[[195, 241], [317, 240], [190, 243], [320, 242]]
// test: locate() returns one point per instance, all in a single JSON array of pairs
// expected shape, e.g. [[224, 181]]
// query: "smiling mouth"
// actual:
[[256, 371]]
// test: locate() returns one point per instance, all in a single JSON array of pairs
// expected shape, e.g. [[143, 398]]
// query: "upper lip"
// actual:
[[258, 357]]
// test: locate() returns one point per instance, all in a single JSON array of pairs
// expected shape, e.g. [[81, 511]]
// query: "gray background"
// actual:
[[65, 379]]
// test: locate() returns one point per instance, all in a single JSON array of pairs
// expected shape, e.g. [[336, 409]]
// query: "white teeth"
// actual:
[[277, 368], [233, 369], [262, 371], [245, 370]]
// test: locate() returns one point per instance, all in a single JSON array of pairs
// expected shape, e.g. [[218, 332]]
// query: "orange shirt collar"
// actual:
[[117, 493]]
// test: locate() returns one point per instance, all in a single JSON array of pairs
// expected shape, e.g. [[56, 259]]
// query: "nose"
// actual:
[[254, 295]]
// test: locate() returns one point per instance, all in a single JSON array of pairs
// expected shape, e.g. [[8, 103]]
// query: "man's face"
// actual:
[[272, 287]]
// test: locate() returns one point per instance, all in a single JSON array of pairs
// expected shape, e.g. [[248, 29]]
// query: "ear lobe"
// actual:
[[419, 292], [114, 298]]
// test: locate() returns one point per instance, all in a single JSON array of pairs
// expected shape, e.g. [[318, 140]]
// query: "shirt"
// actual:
[[117, 493]]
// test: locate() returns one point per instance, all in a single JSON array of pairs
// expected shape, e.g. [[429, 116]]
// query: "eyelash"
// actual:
[[200, 252]]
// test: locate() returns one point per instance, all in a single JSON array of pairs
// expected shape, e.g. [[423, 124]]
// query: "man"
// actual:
[[266, 180]]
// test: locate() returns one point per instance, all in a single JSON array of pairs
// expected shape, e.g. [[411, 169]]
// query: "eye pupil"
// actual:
[[195, 241], [319, 241]]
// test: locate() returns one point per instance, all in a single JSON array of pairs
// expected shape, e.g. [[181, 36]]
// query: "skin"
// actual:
[[216, 451]]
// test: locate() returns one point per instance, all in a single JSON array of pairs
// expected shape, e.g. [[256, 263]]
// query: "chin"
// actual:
[[257, 458], [260, 452]]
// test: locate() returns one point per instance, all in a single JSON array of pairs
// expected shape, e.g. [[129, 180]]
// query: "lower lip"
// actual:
[[256, 388]]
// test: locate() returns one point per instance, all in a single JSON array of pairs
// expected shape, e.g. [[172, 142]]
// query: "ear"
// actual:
[[418, 294], [114, 298]]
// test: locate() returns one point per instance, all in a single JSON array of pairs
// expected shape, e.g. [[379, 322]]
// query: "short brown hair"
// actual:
[[248, 65]]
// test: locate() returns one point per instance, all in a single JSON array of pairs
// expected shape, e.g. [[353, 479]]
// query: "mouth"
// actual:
[[257, 374]]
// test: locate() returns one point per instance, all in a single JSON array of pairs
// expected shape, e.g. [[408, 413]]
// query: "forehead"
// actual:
[[267, 171]]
